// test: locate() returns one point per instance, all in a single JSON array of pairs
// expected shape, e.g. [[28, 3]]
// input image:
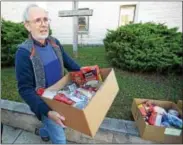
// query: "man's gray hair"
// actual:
[[26, 12]]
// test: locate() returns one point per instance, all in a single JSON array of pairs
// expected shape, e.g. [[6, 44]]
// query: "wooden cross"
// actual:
[[75, 13]]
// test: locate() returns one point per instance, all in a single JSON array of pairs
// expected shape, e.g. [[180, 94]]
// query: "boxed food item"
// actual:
[[80, 101], [159, 121]]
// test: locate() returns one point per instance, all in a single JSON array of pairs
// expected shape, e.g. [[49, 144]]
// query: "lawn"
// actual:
[[154, 86]]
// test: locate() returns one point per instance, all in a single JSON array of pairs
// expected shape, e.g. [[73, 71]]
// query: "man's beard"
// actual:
[[42, 37]]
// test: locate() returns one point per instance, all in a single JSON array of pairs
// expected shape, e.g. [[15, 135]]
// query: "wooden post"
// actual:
[[75, 13], [75, 30]]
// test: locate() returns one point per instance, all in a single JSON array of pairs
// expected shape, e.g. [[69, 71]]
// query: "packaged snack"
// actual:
[[173, 112], [49, 94], [155, 119], [80, 105], [165, 124], [95, 84], [78, 77], [142, 110], [62, 98], [159, 110], [86, 93], [89, 88], [70, 95], [149, 106], [91, 73], [174, 120], [71, 87]]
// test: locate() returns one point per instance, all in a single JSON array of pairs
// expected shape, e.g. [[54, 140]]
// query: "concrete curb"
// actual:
[[112, 130]]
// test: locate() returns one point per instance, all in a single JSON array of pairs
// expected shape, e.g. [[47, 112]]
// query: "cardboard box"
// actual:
[[156, 133], [180, 104], [89, 119]]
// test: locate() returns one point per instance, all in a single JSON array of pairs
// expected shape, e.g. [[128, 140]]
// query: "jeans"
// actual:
[[51, 129]]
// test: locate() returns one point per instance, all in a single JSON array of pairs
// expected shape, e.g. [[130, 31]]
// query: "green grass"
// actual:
[[153, 86]]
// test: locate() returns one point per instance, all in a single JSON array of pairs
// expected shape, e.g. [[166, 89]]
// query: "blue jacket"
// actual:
[[26, 79]]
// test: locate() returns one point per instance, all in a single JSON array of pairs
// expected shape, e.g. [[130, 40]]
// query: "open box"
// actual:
[[156, 133], [89, 119]]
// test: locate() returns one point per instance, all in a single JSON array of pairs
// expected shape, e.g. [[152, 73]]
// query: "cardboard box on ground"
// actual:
[[88, 119], [157, 134]]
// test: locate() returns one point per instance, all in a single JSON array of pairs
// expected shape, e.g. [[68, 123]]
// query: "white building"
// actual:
[[106, 15]]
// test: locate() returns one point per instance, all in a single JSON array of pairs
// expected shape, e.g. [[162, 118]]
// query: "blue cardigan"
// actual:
[[26, 79]]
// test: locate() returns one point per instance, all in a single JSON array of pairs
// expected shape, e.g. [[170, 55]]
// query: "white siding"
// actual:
[[161, 12], [105, 16]]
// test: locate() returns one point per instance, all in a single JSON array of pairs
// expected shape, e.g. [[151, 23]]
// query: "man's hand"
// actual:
[[55, 116]]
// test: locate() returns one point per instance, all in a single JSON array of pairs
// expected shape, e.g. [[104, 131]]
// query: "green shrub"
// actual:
[[12, 34], [144, 47]]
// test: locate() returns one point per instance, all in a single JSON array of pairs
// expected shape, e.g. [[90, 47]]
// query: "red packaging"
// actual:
[[155, 119], [62, 98], [91, 73], [78, 77], [40, 91]]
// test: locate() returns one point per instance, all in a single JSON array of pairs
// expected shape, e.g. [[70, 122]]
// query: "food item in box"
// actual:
[[79, 95], [62, 98], [86, 93], [155, 119], [174, 120], [78, 77], [70, 96], [81, 105], [156, 115], [142, 110], [40, 91], [149, 106], [146, 108], [165, 124], [49, 94], [159, 110], [71, 87], [91, 73], [93, 85], [89, 88], [173, 112]]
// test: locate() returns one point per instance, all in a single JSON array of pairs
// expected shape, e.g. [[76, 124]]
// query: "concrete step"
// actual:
[[13, 135], [18, 115]]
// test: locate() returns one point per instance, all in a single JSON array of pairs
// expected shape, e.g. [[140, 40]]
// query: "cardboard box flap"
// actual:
[[180, 104], [105, 72], [138, 117]]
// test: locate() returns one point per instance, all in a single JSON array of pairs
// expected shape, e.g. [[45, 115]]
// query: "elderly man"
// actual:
[[39, 63]]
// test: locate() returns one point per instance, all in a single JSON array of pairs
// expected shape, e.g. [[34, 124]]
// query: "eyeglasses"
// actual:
[[39, 21]]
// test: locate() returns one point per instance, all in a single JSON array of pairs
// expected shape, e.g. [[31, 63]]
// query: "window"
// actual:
[[127, 14], [83, 23]]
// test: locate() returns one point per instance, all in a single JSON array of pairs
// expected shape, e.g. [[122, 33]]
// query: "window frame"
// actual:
[[127, 6]]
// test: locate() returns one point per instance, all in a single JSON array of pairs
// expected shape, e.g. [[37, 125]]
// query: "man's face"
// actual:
[[38, 23]]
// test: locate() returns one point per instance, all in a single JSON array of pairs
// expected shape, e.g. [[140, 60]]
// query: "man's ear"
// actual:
[[26, 25]]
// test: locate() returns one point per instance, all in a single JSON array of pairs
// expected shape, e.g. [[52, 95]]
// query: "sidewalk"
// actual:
[[17, 136]]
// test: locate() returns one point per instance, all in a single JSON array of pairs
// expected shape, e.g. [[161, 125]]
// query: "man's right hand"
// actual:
[[55, 116]]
